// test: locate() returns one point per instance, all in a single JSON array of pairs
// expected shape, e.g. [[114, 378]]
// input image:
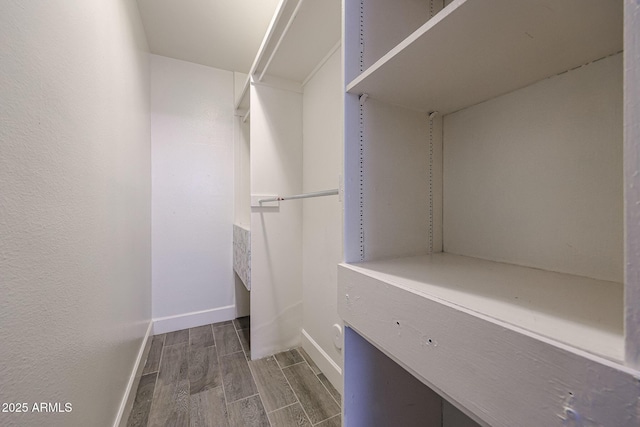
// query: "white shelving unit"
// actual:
[[485, 244]]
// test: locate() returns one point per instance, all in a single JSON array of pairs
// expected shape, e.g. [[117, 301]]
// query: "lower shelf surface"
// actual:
[[497, 339], [582, 312]]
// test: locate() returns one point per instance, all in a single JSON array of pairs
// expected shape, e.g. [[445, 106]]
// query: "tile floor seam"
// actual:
[[329, 391], [243, 398], [289, 351], [203, 346], [333, 416], [321, 421], [259, 395], [306, 359], [241, 346], [294, 392], [321, 382], [155, 388], [237, 336], [253, 377], [286, 406], [136, 397], [224, 392], [235, 352], [296, 364]]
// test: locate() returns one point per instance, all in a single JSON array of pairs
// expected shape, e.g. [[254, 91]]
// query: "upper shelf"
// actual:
[[242, 102], [304, 32], [475, 50], [582, 312], [301, 35]]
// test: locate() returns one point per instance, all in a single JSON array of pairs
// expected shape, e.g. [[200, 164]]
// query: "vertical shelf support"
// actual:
[[363, 99], [432, 115], [361, 36]]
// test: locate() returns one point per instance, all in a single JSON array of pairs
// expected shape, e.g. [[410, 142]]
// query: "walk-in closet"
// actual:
[[323, 213]]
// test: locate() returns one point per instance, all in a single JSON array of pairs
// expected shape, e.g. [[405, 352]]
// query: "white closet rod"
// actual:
[[284, 33], [301, 196]]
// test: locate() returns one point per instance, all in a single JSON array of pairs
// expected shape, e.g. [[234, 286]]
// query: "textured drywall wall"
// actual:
[[192, 196], [75, 266], [534, 177], [322, 216], [242, 209], [632, 180]]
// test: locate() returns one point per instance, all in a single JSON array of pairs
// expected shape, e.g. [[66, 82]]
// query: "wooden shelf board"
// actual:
[[475, 50], [243, 103], [312, 34], [578, 311]]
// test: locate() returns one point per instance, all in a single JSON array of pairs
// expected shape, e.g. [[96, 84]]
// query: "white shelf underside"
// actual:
[[581, 312], [308, 37], [505, 45], [312, 34]]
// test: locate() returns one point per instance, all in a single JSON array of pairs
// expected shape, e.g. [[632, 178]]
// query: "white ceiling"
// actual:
[[224, 34]]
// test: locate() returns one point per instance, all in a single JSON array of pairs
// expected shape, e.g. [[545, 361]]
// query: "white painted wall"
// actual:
[[632, 181], [396, 182], [322, 216], [242, 209], [242, 215], [75, 214], [192, 197], [533, 177], [276, 234]]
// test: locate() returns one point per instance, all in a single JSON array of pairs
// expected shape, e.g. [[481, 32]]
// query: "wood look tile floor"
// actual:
[[204, 377]]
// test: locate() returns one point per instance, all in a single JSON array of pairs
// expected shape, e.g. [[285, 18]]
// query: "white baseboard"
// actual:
[[329, 368], [163, 325], [134, 379]]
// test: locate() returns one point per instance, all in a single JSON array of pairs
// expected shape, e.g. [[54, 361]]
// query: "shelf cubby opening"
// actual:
[[523, 210]]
